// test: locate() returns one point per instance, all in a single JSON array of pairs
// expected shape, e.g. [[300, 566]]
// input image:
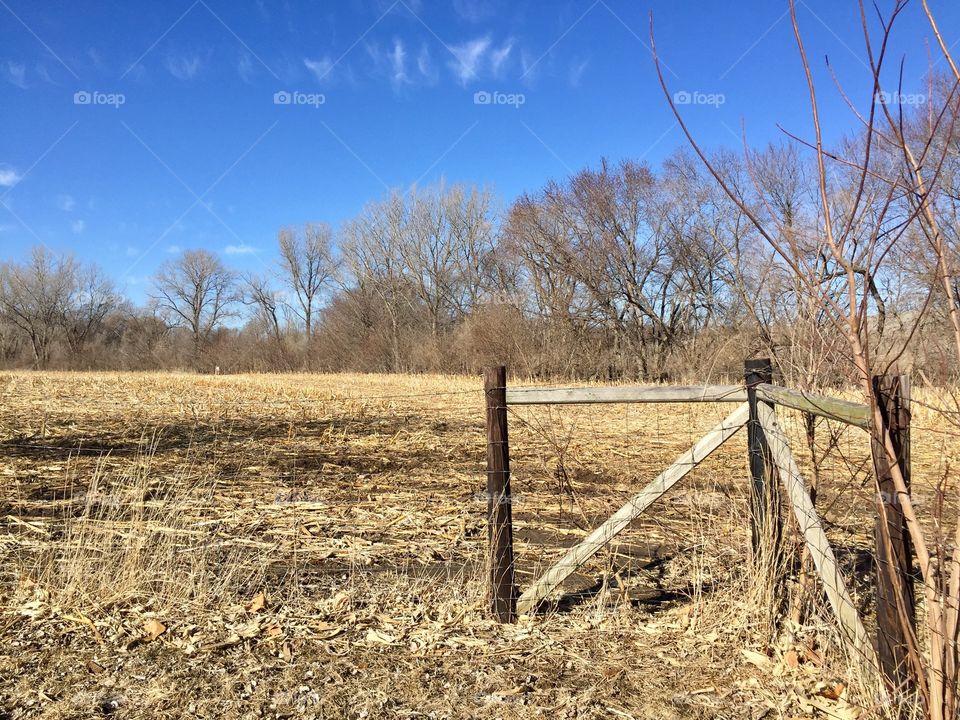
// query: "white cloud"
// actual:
[[577, 69], [529, 65], [469, 56], [241, 249], [184, 67], [174, 249], [15, 74], [245, 69], [96, 58], [398, 63], [44, 73], [133, 252], [78, 227], [499, 57], [321, 68], [474, 10], [136, 71], [425, 65], [9, 177], [66, 202]]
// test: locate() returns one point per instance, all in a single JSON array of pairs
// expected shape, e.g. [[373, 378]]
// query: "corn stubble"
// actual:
[[315, 546]]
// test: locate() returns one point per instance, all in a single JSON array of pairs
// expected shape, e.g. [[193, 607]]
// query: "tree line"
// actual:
[[618, 271]]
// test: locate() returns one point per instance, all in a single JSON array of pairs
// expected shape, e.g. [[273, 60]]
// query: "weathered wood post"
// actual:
[[765, 521], [894, 564], [503, 596]]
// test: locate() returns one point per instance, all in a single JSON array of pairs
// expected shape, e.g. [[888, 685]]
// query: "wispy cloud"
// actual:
[[241, 249], [43, 73], [184, 67], [529, 65], [321, 68], [66, 202], [78, 226], [9, 177], [96, 58], [133, 251], [577, 69], [14, 73], [474, 10], [245, 68], [469, 56], [499, 57], [398, 64], [425, 65], [174, 249]]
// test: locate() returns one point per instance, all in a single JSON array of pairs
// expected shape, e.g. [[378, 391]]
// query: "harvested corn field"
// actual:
[[315, 546]]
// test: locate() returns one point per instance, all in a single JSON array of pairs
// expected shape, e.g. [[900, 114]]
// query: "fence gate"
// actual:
[[774, 473]]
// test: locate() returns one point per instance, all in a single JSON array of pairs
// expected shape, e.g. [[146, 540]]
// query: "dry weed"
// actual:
[[313, 546]]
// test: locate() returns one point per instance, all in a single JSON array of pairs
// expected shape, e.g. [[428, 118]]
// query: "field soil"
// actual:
[[313, 546]]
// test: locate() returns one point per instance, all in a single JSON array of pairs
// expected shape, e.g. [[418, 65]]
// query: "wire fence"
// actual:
[[833, 558], [573, 466]]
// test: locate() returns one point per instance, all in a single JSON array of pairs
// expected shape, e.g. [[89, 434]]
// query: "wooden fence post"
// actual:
[[765, 521], [894, 563], [503, 600]]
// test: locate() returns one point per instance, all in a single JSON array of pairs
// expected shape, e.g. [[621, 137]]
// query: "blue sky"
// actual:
[[132, 130]]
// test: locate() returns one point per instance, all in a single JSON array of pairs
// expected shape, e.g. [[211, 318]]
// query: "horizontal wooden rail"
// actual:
[[852, 413], [625, 394]]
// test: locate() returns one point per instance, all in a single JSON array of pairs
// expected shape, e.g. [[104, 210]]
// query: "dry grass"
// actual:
[[135, 502]]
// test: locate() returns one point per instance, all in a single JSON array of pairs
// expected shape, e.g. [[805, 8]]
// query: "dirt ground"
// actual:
[[314, 546]]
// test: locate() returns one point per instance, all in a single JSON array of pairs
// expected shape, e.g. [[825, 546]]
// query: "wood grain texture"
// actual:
[[816, 540]]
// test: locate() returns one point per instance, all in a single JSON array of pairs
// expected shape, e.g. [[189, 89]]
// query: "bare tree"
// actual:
[[870, 195], [94, 298], [309, 264], [371, 245], [197, 292], [634, 257], [143, 333], [269, 309], [35, 297], [445, 239]]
